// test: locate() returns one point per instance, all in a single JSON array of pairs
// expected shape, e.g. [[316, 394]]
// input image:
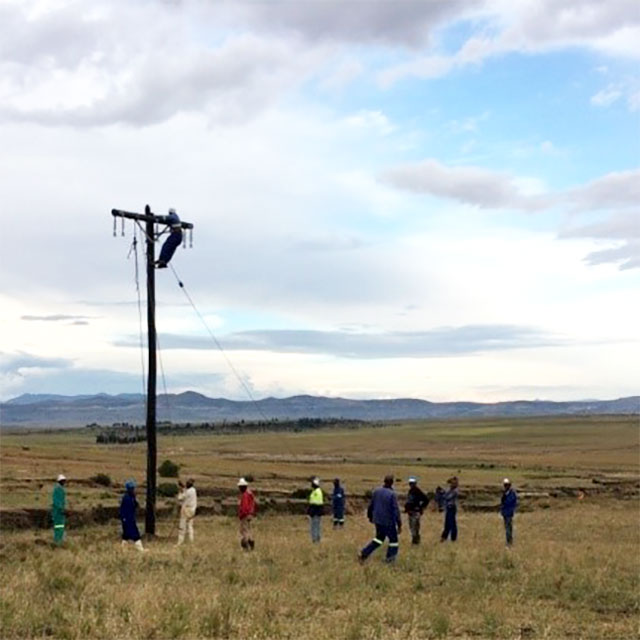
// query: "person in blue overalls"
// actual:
[[451, 508], [508, 506], [338, 502], [172, 242], [384, 513], [128, 507]]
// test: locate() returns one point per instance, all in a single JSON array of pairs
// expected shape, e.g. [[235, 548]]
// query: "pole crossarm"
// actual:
[[151, 217]]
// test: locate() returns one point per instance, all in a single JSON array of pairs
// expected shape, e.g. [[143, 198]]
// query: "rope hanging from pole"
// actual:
[[217, 343]]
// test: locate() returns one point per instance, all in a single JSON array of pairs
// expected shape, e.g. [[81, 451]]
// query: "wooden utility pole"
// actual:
[[150, 220]]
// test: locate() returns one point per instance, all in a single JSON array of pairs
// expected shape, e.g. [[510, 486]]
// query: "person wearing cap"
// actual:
[[188, 500], [414, 507], [338, 499], [58, 504], [450, 509], [384, 513], [173, 241], [246, 513], [508, 506], [315, 510], [128, 508]]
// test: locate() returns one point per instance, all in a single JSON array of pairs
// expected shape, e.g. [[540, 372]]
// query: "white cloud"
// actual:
[[472, 185], [493, 190], [535, 26], [606, 97]]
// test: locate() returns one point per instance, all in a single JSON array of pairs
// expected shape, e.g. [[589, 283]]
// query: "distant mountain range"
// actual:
[[72, 411]]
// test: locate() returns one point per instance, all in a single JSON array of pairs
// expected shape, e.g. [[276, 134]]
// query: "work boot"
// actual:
[[243, 544], [161, 264], [252, 545]]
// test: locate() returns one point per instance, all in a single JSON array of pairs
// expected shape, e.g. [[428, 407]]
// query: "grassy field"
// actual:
[[573, 573]]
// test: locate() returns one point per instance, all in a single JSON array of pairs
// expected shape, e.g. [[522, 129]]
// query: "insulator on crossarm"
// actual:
[[115, 227], [190, 238], [122, 227], [184, 240]]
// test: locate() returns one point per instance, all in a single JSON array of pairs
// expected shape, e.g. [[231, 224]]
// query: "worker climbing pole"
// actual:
[[171, 224]]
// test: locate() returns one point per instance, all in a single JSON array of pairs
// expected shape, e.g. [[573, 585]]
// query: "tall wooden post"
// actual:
[[152, 451], [150, 220]]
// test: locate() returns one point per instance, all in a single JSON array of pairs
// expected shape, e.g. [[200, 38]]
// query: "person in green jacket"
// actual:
[[58, 505]]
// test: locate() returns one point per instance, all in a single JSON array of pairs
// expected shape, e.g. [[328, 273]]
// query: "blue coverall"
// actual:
[[128, 508], [384, 513]]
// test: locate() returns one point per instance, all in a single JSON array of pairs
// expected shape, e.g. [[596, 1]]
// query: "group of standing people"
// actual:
[[383, 512]]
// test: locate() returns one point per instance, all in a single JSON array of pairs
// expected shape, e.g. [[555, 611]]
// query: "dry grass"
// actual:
[[573, 573], [542, 452]]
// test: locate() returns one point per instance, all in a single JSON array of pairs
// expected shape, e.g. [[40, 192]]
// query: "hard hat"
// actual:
[[506, 481], [315, 482], [61, 477], [243, 483], [172, 210], [130, 484], [412, 480]]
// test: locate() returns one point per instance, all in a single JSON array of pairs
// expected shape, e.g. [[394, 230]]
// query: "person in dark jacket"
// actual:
[[508, 506], [338, 499], [415, 505], [450, 508], [173, 241], [384, 513], [128, 507]]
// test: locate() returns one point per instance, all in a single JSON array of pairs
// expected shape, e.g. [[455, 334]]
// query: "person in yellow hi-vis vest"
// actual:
[[58, 505], [315, 509]]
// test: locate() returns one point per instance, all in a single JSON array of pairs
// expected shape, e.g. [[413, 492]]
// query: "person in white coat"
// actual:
[[188, 499]]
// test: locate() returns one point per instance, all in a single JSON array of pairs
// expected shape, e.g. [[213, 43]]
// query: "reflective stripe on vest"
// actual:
[[316, 497], [58, 526]]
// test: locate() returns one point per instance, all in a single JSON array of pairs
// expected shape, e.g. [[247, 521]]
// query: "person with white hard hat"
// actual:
[[173, 241], [188, 500], [58, 505], [414, 507], [508, 506], [315, 510], [246, 513]]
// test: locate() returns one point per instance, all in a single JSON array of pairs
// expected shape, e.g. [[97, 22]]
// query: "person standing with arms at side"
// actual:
[[128, 508], [316, 510], [450, 508], [384, 513], [188, 499], [246, 513], [338, 499], [416, 503], [58, 505], [508, 506]]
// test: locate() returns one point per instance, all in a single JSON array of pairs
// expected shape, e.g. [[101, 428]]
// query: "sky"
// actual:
[[429, 199]]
